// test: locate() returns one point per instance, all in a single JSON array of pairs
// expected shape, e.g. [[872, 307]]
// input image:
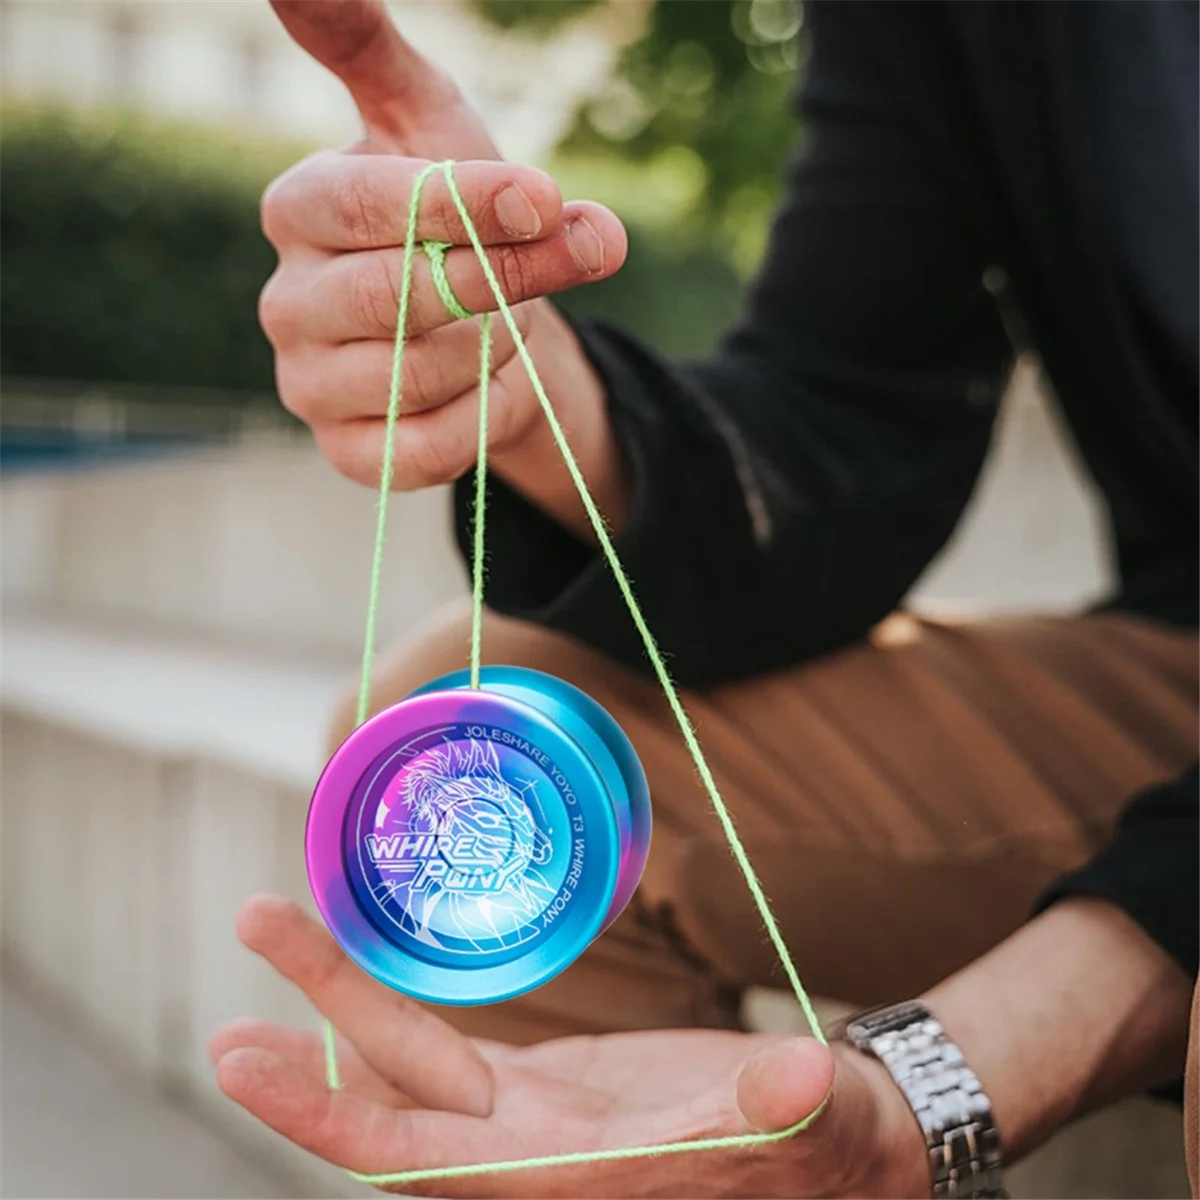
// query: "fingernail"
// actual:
[[586, 247], [514, 212]]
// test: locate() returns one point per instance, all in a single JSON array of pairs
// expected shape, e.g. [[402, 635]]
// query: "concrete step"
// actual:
[[78, 1125], [262, 543]]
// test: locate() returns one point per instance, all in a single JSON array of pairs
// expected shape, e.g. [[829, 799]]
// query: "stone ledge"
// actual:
[[170, 698]]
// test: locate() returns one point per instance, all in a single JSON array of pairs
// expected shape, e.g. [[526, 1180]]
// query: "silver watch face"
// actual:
[[865, 1027]]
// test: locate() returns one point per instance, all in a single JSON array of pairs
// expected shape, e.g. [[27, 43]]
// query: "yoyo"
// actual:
[[467, 844]]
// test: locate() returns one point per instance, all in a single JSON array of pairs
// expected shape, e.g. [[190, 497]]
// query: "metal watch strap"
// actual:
[[946, 1097]]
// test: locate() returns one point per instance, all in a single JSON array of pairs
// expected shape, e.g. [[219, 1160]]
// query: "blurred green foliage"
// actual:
[[692, 131], [539, 16], [132, 251]]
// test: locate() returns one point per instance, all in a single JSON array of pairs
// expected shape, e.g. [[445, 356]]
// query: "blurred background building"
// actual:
[[183, 578]]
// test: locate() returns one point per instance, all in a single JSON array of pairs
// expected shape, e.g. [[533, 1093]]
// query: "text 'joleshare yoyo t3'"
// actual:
[[468, 844]]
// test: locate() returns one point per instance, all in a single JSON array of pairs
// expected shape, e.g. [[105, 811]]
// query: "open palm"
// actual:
[[416, 1094]]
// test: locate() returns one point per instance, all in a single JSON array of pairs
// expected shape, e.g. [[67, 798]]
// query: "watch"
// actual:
[[945, 1095]]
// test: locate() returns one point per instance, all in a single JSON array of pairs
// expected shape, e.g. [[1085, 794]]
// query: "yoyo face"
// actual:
[[464, 847]]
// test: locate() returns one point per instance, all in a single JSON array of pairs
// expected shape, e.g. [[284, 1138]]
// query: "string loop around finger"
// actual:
[[435, 252]]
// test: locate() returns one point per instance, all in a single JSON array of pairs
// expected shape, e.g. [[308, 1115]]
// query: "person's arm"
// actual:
[[1151, 871], [1076, 1010], [787, 492], [1089, 1002], [1151, 868]]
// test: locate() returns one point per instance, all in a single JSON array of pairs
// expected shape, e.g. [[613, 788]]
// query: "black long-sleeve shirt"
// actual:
[[973, 175]]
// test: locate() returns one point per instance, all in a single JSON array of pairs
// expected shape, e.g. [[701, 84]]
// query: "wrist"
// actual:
[[1077, 1009], [532, 463]]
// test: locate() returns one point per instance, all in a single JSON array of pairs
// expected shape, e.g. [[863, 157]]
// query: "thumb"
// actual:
[[406, 103], [784, 1082]]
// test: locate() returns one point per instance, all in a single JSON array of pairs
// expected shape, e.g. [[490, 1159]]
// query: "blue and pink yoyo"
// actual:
[[466, 845]]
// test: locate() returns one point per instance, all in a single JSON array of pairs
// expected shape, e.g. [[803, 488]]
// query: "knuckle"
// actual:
[[297, 391], [373, 296], [275, 208], [277, 308], [273, 211], [356, 211], [431, 459], [513, 269], [509, 420], [424, 377], [285, 194]]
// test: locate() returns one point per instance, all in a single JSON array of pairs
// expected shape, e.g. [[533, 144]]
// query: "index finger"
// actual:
[[344, 1128], [380, 1143], [406, 1044], [360, 202]]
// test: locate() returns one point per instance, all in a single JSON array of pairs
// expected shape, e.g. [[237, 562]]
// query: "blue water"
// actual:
[[25, 450]]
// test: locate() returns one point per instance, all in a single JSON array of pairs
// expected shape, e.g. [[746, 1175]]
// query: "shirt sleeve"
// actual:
[[790, 489], [1151, 868]]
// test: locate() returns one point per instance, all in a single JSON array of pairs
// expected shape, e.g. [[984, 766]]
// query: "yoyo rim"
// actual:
[[337, 884]]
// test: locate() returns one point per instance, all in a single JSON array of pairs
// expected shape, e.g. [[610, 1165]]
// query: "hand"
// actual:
[[338, 223], [418, 1094]]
